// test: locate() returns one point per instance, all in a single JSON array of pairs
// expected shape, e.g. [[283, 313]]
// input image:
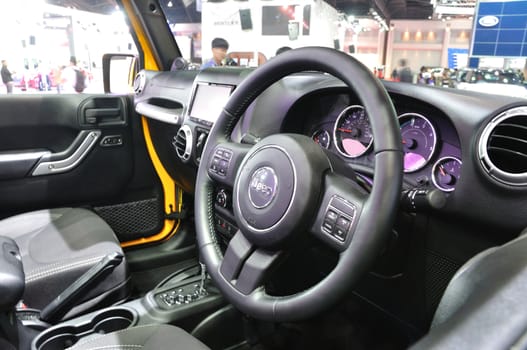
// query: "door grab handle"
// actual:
[[69, 159], [93, 115]]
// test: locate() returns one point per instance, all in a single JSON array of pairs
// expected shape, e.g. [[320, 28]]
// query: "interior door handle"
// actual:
[[95, 115], [55, 163]]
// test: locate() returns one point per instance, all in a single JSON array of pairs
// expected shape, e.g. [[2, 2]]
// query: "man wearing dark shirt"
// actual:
[[7, 79]]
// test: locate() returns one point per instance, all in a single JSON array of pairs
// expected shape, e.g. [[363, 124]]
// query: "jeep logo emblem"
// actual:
[[262, 188]]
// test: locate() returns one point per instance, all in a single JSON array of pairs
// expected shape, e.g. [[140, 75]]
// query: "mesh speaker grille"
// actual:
[[439, 271], [133, 219]]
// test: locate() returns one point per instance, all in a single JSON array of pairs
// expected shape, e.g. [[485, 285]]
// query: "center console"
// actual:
[[206, 103], [175, 302]]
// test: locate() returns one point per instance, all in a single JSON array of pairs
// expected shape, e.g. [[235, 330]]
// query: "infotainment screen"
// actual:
[[208, 101]]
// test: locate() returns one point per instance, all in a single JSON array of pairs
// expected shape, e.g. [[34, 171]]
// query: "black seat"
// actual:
[[483, 306], [57, 246]]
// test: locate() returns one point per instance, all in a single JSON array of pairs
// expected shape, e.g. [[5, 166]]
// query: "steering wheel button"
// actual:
[[343, 223], [340, 233], [331, 216], [227, 154], [215, 164], [328, 226], [342, 205], [219, 152]]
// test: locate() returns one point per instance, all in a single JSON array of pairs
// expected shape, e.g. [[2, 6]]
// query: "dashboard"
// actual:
[[432, 151], [464, 182], [456, 143]]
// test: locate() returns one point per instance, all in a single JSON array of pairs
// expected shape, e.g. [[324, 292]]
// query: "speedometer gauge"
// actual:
[[419, 141], [352, 133]]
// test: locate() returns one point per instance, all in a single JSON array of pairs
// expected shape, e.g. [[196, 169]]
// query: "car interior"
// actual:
[[301, 204]]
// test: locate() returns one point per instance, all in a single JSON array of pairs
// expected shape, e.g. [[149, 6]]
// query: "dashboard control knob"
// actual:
[[222, 198]]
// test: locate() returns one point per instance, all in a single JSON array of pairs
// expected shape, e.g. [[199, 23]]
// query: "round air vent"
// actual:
[[502, 147], [139, 83], [182, 142]]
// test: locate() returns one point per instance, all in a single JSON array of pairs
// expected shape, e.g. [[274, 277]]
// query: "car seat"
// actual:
[[483, 305], [57, 246]]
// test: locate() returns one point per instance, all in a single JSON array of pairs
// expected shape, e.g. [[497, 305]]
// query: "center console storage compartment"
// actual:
[[67, 334]]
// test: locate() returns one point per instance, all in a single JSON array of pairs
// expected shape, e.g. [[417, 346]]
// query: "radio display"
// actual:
[[208, 101]]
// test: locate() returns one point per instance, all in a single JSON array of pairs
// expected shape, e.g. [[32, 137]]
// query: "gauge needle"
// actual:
[[344, 130], [442, 170]]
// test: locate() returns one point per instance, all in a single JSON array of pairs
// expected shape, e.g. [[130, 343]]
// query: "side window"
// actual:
[[56, 49]]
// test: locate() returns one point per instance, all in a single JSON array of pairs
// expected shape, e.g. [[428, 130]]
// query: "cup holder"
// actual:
[[62, 336]]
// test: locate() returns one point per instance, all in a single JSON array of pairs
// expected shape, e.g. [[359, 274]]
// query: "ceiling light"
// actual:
[[170, 4]]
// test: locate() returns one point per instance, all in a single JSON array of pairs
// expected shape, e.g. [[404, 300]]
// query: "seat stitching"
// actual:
[[48, 272], [116, 332]]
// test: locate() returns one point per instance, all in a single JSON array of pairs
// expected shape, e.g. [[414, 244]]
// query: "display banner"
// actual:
[[500, 29]]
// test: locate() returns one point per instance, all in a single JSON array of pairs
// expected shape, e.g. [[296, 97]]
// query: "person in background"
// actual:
[[7, 77], [219, 53], [282, 50], [425, 77], [405, 73], [395, 75], [71, 81]]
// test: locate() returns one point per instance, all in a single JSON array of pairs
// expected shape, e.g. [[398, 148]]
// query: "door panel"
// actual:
[[73, 150]]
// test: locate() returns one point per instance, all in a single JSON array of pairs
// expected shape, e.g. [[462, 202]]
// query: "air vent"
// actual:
[[182, 142], [503, 147], [139, 83]]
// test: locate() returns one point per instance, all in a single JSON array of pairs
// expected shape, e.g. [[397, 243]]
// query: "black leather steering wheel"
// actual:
[[284, 186]]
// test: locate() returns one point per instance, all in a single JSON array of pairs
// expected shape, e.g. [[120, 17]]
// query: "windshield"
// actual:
[[424, 42], [438, 43]]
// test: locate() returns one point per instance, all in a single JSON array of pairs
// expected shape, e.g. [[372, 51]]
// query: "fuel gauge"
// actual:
[[446, 172], [322, 138]]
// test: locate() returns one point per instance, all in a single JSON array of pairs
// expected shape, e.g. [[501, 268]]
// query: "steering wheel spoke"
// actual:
[[224, 161], [339, 211], [245, 266]]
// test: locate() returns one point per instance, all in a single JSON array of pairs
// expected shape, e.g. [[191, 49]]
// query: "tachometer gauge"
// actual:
[[352, 133], [446, 172], [419, 141], [322, 138]]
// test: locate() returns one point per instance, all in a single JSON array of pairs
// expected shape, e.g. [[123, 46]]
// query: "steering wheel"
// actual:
[[284, 187]]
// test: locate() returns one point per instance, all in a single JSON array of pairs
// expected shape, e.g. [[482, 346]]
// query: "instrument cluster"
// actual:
[[426, 157]]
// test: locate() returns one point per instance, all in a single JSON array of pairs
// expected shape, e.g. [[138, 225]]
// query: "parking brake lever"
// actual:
[[59, 306]]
